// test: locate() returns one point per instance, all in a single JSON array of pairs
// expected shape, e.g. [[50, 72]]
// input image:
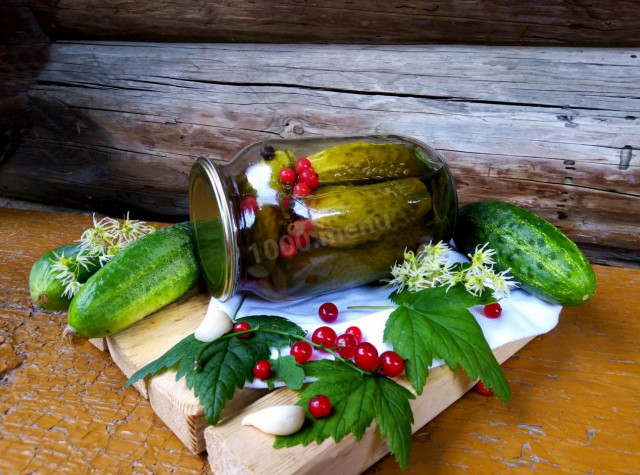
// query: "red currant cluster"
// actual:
[[303, 179], [348, 345]]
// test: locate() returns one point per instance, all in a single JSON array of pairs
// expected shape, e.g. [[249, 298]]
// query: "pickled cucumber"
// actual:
[[325, 270], [348, 215], [265, 233], [367, 162]]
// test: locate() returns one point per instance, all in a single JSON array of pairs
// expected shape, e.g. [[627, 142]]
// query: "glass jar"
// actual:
[[341, 223]]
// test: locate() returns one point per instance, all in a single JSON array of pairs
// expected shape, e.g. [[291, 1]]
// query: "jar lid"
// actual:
[[214, 228]]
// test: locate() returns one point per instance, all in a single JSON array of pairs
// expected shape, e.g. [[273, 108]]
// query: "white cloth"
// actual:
[[523, 316]]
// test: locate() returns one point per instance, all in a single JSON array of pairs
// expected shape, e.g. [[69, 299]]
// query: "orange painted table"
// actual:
[[63, 407]]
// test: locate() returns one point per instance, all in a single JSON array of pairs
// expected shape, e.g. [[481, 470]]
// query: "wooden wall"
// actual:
[[113, 126], [517, 22], [555, 130]]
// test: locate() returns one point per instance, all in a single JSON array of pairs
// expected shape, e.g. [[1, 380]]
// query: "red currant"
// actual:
[[262, 369], [356, 332], [309, 178], [366, 356], [346, 345], [287, 247], [324, 336], [319, 406], [240, 327], [301, 351], [249, 204], [299, 227], [482, 389], [493, 310], [287, 176], [301, 189], [302, 241], [392, 364], [303, 163], [328, 312]]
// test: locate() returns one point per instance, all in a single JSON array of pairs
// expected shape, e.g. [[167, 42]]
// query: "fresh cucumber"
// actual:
[[540, 257], [144, 277], [47, 291]]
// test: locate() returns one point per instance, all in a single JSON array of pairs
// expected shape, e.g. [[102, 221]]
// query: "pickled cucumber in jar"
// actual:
[[348, 215], [339, 216], [367, 162]]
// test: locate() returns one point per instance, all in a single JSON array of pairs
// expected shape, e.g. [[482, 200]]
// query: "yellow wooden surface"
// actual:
[[63, 408]]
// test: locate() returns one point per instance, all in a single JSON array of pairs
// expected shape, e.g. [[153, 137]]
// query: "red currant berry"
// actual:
[[392, 364], [299, 227], [249, 204], [324, 336], [482, 389], [302, 241], [240, 327], [301, 189], [303, 163], [356, 332], [366, 356], [319, 406], [301, 351], [493, 310], [346, 346], [309, 178], [262, 369], [287, 176], [287, 247], [328, 312]]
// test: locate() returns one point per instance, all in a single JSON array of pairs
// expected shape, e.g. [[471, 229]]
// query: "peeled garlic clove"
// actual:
[[277, 420], [215, 324]]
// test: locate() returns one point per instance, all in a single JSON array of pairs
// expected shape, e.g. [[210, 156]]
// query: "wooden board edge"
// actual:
[[235, 449]]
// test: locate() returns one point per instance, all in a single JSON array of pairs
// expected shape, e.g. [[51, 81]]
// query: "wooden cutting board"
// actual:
[[236, 449]]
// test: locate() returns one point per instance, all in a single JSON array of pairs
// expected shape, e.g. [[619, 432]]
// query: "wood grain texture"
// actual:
[[63, 407], [554, 22], [23, 52], [552, 129]]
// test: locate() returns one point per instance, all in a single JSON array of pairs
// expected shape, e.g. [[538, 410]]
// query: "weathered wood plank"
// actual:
[[555, 22], [23, 52], [555, 130]]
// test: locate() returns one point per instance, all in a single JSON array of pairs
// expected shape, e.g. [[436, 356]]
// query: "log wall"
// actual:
[[553, 129], [522, 22]]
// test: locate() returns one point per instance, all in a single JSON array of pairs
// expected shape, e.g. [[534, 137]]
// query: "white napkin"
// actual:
[[523, 316]]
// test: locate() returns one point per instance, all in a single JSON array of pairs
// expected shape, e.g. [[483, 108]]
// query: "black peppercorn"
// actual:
[[267, 152]]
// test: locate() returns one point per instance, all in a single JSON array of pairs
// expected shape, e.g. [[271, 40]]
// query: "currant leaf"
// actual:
[[436, 322], [226, 363], [356, 398], [286, 369]]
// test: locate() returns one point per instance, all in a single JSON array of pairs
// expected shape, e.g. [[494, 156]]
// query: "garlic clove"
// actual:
[[215, 324], [277, 420]]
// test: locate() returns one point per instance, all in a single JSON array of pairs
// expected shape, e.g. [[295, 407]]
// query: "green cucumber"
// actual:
[[144, 277], [540, 257], [46, 290]]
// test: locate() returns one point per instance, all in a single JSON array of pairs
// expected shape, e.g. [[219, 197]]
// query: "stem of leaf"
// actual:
[[374, 307]]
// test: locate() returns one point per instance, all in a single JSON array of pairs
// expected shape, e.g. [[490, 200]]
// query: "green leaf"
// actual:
[[225, 363], [395, 417], [356, 398], [436, 323], [286, 369], [228, 363]]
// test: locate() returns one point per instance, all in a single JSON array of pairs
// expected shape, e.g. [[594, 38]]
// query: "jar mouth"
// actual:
[[214, 227]]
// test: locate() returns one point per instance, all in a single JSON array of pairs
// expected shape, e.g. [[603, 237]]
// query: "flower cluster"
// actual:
[[108, 237], [98, 245], [431, 266]]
